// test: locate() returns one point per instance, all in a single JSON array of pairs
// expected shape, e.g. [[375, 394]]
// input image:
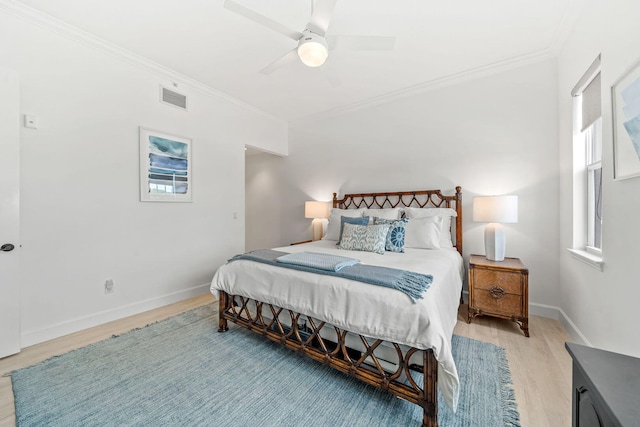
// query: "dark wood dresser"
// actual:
[[606, 388]]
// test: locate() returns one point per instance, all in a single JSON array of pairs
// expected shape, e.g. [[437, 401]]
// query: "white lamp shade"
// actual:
[[495, 209], [316, 209], [312, 49]]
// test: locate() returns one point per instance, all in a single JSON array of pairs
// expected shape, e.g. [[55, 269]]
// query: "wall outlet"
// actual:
[[108, 286]]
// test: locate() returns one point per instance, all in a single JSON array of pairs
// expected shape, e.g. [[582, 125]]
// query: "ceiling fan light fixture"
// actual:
[[312, 49]]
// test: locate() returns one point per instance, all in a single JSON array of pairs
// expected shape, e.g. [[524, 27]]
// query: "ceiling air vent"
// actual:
[[171, 97]]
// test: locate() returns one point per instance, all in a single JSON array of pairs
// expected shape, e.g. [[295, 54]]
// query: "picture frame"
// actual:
[[625, 101], [165, 167]]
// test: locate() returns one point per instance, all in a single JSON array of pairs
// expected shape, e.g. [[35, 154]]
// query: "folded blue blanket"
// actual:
[[318, 260], [412, 284]]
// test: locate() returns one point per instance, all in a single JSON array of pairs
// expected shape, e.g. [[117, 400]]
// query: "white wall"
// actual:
[[492, 135], [81, 218], [601, 304]]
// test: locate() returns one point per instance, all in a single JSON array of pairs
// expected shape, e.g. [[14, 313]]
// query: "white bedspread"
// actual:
[[369, 310]]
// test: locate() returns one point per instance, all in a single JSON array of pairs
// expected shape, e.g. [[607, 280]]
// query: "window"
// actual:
[[587, 153], [593, 145]]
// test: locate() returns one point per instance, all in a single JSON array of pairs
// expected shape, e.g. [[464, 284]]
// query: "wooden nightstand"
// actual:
[[499, 289]]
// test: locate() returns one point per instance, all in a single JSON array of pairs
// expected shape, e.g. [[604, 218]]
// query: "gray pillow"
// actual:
[[370, 238]]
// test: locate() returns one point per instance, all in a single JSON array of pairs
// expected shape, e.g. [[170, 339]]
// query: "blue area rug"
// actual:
[[182, 372]]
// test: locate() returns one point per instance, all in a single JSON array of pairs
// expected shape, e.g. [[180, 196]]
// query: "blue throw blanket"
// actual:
[[318, 260], [412, 284]]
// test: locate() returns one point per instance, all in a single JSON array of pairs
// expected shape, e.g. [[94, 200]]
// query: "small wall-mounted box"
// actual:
[[30, 121]]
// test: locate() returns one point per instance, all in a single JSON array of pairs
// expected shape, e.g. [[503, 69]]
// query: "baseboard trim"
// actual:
[[572, 329], [543, 310], [30, 338], [558, 314], [552, 312]]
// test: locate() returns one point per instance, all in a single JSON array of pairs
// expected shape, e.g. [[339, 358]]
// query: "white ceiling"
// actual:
[[435, 40]]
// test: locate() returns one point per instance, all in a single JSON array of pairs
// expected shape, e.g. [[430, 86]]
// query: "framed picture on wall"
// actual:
[[165, 167], [625, 99]]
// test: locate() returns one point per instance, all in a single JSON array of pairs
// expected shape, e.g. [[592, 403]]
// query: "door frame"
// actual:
[[9, 212]]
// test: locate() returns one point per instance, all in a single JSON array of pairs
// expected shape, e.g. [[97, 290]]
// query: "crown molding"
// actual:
[[561, 34], [440, 82], [48, 22], [34, 16], [566, 25]]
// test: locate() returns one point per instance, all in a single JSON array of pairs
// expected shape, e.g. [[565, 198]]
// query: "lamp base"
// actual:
[[494, 242], [316, 229]]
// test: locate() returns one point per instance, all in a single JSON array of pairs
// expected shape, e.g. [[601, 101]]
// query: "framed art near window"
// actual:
[[625, 99], [165, 167]]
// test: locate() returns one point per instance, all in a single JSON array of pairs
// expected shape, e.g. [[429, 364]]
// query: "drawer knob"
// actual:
[[497, 292]]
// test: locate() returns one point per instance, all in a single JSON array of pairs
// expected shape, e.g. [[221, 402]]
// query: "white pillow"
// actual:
[[444, 213], [333, 227], [423, 233], [386, 213]]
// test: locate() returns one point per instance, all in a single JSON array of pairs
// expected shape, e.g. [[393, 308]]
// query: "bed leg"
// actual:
[[222, 322], [430, 402]]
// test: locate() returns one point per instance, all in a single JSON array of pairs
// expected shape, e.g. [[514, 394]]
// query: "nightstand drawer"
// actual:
[[510, 282], [498, 303]]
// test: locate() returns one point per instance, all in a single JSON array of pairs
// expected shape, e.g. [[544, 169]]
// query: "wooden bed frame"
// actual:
[[303, 334]]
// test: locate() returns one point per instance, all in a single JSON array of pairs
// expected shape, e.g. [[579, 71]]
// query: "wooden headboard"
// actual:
[[422, 199]]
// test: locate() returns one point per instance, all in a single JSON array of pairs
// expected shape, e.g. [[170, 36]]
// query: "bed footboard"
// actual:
[[302, 334]]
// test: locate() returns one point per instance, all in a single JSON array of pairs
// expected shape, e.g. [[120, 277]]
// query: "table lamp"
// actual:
[[317, 211], [495, 210]]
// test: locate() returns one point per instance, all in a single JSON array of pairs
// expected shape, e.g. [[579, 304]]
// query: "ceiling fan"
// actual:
[[313, 42]]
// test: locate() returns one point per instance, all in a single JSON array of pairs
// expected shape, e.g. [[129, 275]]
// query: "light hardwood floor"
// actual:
[[540, 366]]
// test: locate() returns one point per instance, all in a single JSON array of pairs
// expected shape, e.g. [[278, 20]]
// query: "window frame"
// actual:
[[587, 161], [593, 146]]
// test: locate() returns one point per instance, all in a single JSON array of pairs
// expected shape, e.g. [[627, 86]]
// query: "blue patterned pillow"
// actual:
[[360, 220], [395, 236], [370, 238]]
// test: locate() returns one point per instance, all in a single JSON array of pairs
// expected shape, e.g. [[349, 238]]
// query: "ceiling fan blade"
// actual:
[[262, 20], [321, 16], [286, 59], [361, 42]]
